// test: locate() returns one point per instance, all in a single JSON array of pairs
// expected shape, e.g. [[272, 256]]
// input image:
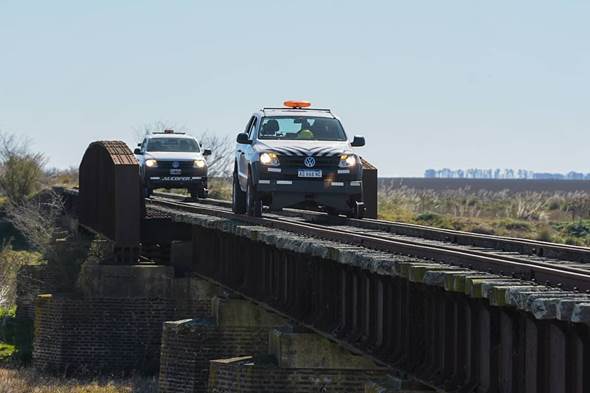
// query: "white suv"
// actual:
[[173, 160]]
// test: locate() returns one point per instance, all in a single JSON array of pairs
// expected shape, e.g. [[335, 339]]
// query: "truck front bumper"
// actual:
[[336, 194], [161, 178]]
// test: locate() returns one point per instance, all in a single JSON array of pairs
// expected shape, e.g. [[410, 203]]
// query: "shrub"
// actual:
[[220, 188], [577, 229], [38, 220], [10, 262], [518, 226], [554, 203], [544, 234], [428, 217], [483, 229], [16, 337], [21, 171]]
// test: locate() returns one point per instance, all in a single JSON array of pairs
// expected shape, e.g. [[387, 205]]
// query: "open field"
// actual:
[[562, 217], [558, 211], [30, 381], [494, 185]]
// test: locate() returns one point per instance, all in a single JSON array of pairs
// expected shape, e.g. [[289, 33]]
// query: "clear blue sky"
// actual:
[[429, 83]]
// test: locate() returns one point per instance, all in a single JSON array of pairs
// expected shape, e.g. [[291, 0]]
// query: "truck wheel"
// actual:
[[358, 210], [253, 203], [238, 197], [332, 212]]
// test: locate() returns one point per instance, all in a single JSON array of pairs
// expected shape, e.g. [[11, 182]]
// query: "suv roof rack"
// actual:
[[168, 132], [298, 109]]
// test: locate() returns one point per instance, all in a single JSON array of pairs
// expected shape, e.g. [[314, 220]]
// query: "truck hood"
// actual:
[[305, 148], [172, 156]]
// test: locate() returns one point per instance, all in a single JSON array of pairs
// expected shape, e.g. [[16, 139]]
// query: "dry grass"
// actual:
[[562, 217], [31, 381]]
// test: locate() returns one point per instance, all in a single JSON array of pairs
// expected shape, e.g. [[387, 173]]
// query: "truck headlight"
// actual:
[[347, 161], [151, 163], [199, 163], [270, 159]]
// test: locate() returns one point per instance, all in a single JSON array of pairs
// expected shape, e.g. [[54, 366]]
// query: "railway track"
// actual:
[[541, 249], [518, 258]]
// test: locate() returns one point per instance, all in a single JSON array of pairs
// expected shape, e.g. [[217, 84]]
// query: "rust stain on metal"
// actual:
[[369, 188], [110, 196]]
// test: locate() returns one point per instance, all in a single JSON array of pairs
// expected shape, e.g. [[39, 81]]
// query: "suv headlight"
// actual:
[[151, 163], [347, 161], [270, 159], [199, 163]]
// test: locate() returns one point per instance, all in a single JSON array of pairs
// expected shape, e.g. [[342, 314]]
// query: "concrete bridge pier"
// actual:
[[302, 362], [234, 327], [111, 323]]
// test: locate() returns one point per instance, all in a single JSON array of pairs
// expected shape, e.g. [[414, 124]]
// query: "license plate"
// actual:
[[309, 173], [176, 178], [175, 171]]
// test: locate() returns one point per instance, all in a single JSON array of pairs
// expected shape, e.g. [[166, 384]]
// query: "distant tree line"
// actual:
[[476, 173]]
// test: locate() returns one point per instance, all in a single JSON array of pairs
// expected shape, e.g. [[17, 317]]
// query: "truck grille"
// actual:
[[168, 164], [320, 162]]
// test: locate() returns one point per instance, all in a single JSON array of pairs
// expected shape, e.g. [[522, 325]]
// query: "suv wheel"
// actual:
[[238, 197], [358, 210], [253, 203]]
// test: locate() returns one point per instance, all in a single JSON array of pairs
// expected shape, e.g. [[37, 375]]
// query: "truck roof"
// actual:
[[169, 135], [315, 112]]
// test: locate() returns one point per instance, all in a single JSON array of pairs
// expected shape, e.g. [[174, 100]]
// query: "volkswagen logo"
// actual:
[[175, 164], [309, 162]]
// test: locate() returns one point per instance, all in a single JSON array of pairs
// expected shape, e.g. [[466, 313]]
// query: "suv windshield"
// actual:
[[301, 127], [184, 145]]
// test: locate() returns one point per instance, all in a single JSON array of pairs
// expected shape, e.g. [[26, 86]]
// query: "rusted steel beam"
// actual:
[[449, 340], [370, 189], [110, 202]]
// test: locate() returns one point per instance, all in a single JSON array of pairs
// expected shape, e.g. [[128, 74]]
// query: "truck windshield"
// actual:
[[301, 128], [184, 145]]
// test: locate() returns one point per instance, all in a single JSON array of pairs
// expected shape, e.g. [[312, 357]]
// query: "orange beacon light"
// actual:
[[297, 104]]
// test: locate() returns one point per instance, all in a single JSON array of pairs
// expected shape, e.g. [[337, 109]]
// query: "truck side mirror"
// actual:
[[136, 151], [207, 152], [243, 139], [358, 141]]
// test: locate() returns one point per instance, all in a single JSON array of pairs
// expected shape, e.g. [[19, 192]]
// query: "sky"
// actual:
[[430, 84]]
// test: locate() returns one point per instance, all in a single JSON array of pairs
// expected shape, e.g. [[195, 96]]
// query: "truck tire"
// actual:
[[358, 210], [253, 202], [238, 199]]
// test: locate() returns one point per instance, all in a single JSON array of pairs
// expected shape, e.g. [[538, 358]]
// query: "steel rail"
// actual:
[[501, 243], [542, 272]]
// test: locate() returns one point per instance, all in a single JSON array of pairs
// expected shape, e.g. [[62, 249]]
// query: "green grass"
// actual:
[[16, 338], [7, 351]]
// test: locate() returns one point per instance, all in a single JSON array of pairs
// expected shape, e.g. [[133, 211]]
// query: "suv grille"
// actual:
[[168, 164], [320, 162]]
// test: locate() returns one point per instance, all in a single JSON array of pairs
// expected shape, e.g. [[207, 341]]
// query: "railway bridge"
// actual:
[[298, 301]]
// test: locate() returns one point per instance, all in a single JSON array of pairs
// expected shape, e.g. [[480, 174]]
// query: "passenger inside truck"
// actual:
[[306, 128]]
